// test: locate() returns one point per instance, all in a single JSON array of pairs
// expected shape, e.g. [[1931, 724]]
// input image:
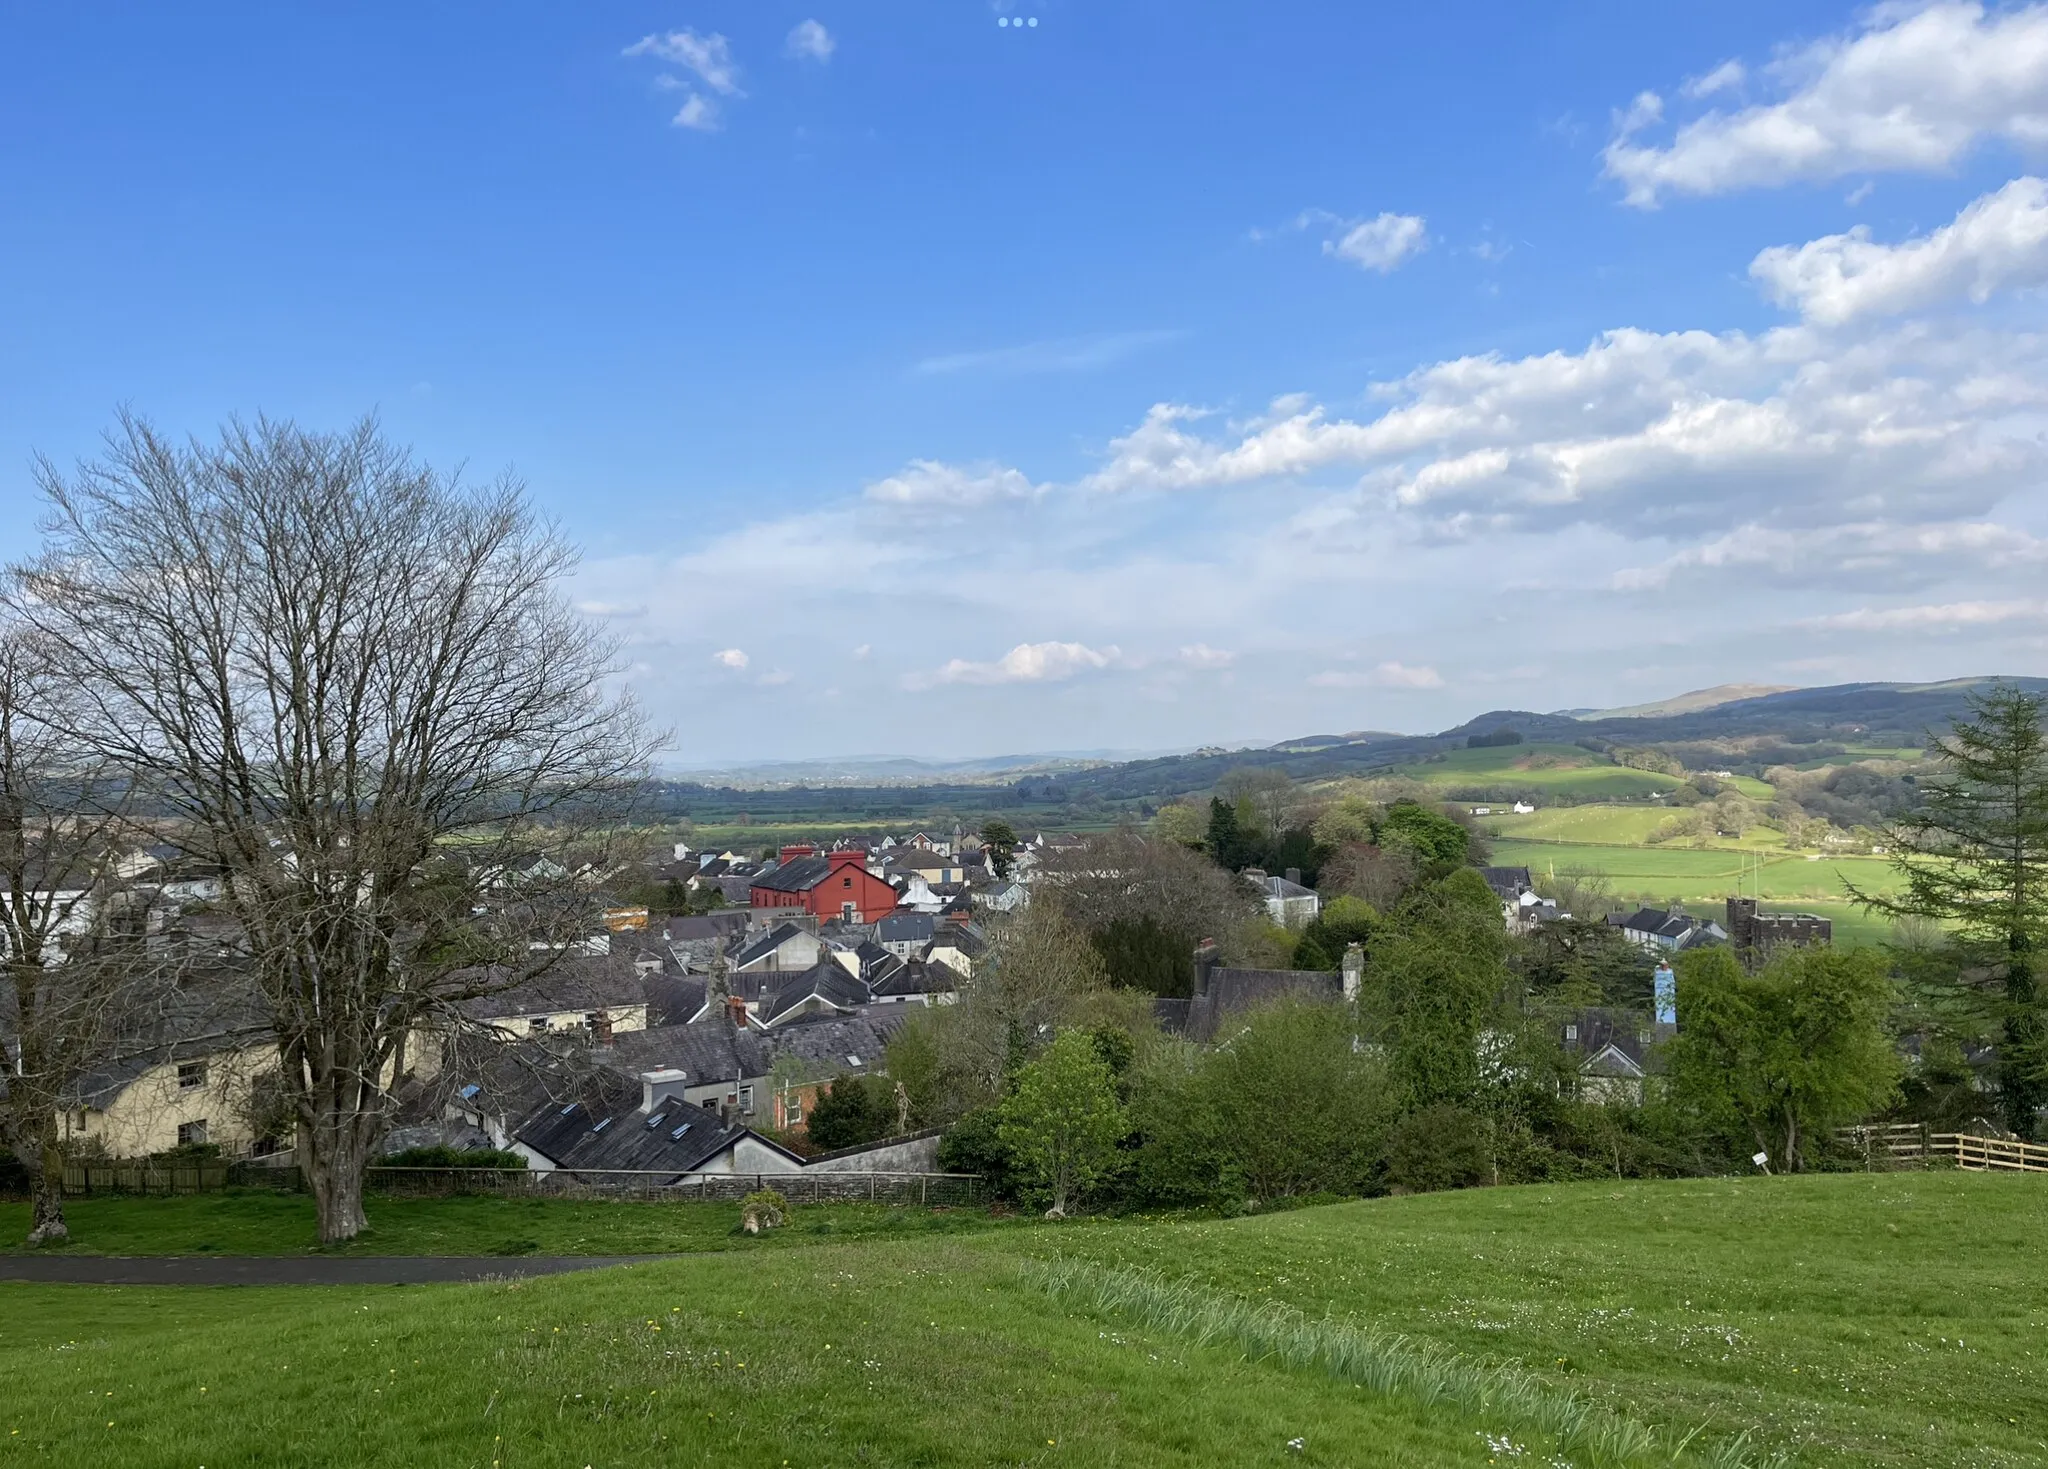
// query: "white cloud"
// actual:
[[710, 57], [1997, 241], [734, 658], [1201, 655], [699, 113], [1382, 243], [1727, 77], [1030, 663], [929, 482], [1947, 617], [1069, 354], [1385, 676], [1652, 434], [809, 41], [1913, 90]]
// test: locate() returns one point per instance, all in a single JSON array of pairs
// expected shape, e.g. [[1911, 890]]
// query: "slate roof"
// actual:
[[702, 926], [1614, 1042], [904, 928], [613, 1133], [798, 875], [1231, 992], [675, 999], [573, 982], [1507, 883], [829, 1046], [826, 980], [710, 1051], [768, 943]]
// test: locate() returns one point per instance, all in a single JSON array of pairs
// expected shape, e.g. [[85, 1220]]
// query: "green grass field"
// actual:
[[261, 1222], [1703, 878], [1856, 1319], [1562, 770]]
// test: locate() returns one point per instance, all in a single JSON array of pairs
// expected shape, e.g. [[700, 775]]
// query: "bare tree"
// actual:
[[354, 682], [67, 989]]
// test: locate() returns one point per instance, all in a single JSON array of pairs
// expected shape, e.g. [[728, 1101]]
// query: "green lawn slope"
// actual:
[[1854, 1319]]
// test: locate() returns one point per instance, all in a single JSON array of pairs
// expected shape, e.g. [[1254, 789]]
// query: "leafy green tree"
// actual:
[[854, 1110], [1344, 921], [1290, 1105], [1062, 1121], [1142, 953], [999, 838], [1974, 855], [1582, 961], [1438, 842], [1788, 1054], [1435, 976], [1181, 823], [1230, 845]]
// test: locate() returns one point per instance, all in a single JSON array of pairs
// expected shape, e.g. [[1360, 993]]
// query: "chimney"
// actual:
[[601, 1027], [1354, 971], [790, 854], [1205, 960], [654, 1083], [737, 1009], [1294, 876]]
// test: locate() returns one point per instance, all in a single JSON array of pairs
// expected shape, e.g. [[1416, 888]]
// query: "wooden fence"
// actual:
[[1914, 1145]]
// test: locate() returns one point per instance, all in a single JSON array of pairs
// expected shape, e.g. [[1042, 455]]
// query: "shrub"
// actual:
[[974, 1145], [763, 1209], [854, 1110], [1439, 1147]]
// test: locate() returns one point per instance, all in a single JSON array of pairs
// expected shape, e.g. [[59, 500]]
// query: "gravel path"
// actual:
[[295, 1269]]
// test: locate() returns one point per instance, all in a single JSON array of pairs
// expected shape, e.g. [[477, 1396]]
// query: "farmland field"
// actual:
[[1852, 1319], [1563, 770], [1703, 878]]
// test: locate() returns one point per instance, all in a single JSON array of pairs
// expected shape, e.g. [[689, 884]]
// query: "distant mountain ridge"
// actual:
[[1698, 699], [1839, 713]]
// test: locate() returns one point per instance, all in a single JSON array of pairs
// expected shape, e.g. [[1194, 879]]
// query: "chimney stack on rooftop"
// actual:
[[654, 1083]]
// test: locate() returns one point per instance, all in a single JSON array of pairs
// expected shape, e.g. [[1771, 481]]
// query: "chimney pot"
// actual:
[[1294, 875]]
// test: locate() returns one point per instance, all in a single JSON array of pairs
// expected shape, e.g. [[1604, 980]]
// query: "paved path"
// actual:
[[295, 1269]]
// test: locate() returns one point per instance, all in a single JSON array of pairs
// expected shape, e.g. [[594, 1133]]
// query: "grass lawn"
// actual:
[[1854, 1319], [1861, 1318], [260, 1222]]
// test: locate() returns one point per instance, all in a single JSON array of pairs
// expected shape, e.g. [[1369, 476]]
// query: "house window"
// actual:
[[538, 1025], [192, 1134], [746, 1099], [846, 882], [1571, 1032], [709, 1104], [191, 1075]]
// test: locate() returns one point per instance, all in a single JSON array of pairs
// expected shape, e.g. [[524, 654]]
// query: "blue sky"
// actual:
[[1150, 376]]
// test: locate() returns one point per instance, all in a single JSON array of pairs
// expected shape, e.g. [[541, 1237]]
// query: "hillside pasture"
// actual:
[[1553, 769], [1702, 878]]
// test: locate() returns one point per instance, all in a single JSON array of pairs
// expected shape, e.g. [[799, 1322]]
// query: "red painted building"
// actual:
[[826, 885]]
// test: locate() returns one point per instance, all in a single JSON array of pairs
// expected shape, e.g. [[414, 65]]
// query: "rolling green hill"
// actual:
[[1558, 770], [1846, 1319]]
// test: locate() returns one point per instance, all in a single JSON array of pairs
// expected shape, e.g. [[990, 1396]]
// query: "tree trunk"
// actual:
[[334, 1161], [2022, 1083], [46, 1184]]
